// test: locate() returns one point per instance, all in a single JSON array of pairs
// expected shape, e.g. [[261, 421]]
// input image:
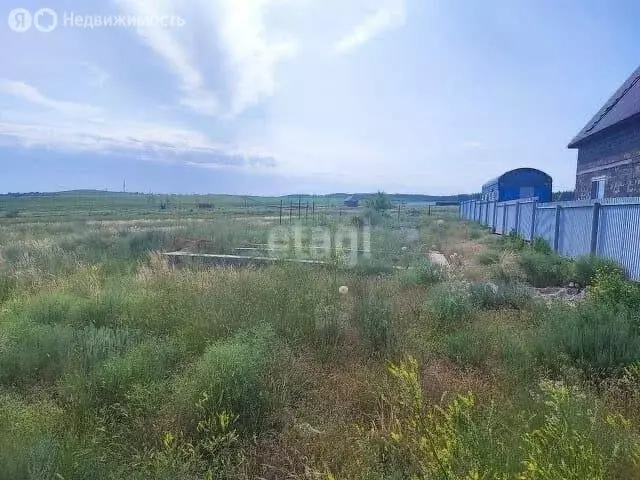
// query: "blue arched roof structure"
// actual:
[[519, 183]]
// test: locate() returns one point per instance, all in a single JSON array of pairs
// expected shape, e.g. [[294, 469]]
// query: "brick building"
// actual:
[[609, 147]]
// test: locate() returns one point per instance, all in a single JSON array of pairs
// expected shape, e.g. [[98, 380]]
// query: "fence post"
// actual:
[[533, 220], [594, 227], [494, 221], [504, 219], [517, 217], [556, 234]]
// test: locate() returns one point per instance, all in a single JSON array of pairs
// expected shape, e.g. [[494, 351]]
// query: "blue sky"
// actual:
[[289, 96]]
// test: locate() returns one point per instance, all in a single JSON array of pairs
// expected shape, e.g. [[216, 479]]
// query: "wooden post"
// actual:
[[280, 212], [595, 223], [556, 234], [306, 213], [399, 205], [290, 211], [299, 206]]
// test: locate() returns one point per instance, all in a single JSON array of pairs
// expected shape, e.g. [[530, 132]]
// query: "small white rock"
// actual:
[[343, 290]]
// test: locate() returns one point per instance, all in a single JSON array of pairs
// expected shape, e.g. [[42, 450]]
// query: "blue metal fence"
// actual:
[[608, 228]]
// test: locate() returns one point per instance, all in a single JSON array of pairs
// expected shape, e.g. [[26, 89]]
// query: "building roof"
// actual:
[[514, 174], [623, 105]]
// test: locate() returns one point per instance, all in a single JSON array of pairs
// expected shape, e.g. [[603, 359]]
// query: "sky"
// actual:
[[271, 97]]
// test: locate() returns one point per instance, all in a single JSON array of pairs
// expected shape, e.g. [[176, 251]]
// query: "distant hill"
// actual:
[[63, 193], [396, 197]]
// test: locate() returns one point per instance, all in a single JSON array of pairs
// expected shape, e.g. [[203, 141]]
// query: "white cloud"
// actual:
[[251, 56], [166, 44], [136, 140], [235, 27], [97, 76], [381, 20], [33, 95], [473, 144]]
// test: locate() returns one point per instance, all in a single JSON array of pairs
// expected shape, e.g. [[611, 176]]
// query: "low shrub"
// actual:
[[513, 242], [30, 444], [610, 287], [33, 352], [475, 232], [489, 257], [373, 314], [425, 274], [584, 269], [540, 245], [544, 270], [563, 435], [450, 304], [231, 375], [591, 336], [7, 286], [507, 268], [113, 381], [490, 296], [466, 347]]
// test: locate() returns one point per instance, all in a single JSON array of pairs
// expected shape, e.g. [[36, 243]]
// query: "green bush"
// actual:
[[30, 441], [374, 315], [584, 269], [7, 286], [544, 270], [379, 202], [232, 375], [489, 257], [591, 336], [610, 287], [466, 347], [489, 296], [450, 304], [475, 234], [540, 245], [33, 352], [513, 242], [112, 381], [563, 435], [425, 274]]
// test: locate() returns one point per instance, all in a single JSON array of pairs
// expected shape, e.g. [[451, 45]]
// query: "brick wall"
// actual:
[[615, 155]]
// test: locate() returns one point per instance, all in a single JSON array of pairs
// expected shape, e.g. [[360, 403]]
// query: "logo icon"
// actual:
[[45, 20], [20, 20]]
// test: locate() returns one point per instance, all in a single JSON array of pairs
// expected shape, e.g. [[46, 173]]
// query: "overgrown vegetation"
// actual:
[[115, 365]]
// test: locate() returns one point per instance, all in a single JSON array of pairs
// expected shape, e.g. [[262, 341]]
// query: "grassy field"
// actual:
[[114, 365]]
